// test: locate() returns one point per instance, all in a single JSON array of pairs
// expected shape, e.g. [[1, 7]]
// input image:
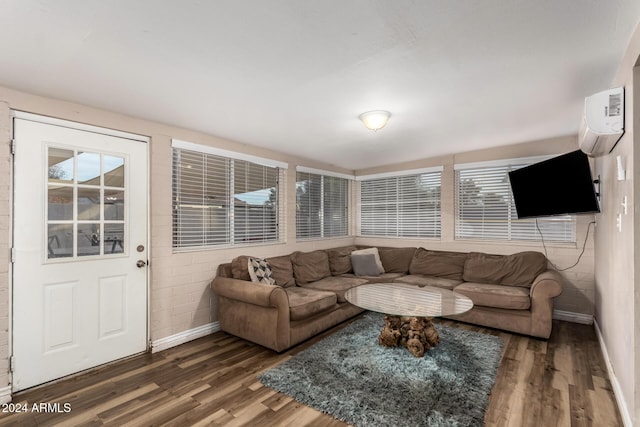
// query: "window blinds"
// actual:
[[321, 206], [401, 206], [485, 210], [223, 201]]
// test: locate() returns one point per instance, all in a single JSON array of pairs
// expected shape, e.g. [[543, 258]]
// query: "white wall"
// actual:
[[617, 287]]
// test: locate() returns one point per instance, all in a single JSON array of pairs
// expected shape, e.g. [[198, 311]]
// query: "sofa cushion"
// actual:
[[449, 265], [310, 266], [304, 303], [519, 269], [364, 265], [337, 285], [239, 268], [396, 260], [498, 296], [282, 270], [260, 271], [382, 278], [373, 251], [225, 270], [340, 260], [424, 280]]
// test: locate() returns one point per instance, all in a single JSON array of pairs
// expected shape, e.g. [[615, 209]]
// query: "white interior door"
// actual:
[[80, 241]]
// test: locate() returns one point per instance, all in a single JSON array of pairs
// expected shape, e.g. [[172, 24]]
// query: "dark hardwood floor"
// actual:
[[212, 381]]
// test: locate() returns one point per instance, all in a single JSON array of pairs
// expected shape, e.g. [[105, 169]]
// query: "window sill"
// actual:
[[225, 247]]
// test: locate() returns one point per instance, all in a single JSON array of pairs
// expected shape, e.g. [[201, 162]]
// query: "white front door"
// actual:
[[80, 250]]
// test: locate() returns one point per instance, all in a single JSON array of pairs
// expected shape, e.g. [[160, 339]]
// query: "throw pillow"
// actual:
[[364, 265], [376, 255], [260, 271]]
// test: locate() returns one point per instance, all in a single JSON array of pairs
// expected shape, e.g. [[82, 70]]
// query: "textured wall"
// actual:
[[617, 286], [180, 298]]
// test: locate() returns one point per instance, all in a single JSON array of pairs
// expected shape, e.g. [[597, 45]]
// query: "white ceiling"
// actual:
[[294, 75]]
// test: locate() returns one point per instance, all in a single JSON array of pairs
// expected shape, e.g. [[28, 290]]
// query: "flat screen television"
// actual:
[[557, 186]]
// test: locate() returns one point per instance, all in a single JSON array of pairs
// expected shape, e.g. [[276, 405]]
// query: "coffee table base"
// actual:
[[416, 334]]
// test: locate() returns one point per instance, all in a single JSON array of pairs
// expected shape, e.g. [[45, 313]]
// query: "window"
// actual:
[[485, 209], [321, 206], [85, 203], [219, 200], [401, 206]]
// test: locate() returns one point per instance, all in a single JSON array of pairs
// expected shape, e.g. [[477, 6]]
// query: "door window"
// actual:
[[86, 204]]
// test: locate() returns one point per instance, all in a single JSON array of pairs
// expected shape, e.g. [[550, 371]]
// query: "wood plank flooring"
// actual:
[[212, 381]]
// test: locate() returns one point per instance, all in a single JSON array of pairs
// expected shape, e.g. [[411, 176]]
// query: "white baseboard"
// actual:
[[617, 390], [5, 394], [184, 336], [569, 316]]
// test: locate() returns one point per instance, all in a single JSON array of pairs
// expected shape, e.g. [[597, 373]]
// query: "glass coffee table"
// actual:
[[408, 312]]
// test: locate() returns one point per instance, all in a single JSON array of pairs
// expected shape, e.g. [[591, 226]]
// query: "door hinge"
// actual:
[[13, 255], [12, 146], [12, 363]]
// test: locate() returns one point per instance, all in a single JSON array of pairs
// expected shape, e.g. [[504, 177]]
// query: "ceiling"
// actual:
[[294, 75]]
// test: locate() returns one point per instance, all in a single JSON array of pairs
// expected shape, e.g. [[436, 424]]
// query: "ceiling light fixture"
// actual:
[[375, 120]]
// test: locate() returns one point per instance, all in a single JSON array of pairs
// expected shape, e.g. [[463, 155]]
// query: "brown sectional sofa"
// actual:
[[510, 292]]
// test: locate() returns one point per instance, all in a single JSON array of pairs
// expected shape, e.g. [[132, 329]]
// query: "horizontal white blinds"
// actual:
[[401, 206], [485, 210], [223, 201], [321, 206]]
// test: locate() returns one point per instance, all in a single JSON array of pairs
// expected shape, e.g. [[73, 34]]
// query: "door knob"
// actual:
[[140, 263]]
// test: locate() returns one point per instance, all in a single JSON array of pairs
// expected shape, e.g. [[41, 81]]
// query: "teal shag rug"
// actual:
[[350, 377]]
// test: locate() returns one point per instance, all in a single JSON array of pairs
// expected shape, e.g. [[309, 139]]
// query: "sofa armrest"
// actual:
[[544, 288], [249, 292], [546, 285]]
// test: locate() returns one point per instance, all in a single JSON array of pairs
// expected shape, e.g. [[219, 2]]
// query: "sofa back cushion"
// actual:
[[340, 260], [396, 260], [282, 270], [240, 268], [310, 266], [225, 270], [449, 265], [518, 269]]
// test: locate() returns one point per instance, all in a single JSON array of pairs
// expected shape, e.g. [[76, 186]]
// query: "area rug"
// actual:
[[350, 377]]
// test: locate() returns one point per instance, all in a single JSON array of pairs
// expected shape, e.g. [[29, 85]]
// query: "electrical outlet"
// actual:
[[619, 222]]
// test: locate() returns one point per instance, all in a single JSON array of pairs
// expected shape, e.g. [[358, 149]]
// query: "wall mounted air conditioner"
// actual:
[[603, 122]]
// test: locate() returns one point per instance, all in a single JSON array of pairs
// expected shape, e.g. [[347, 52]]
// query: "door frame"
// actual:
[[18, 114]]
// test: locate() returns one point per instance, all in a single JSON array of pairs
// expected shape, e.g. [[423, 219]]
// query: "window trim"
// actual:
[[402, 173], [232, 156], [207, 149], [397, 176], [505, 163], [323, 173]]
